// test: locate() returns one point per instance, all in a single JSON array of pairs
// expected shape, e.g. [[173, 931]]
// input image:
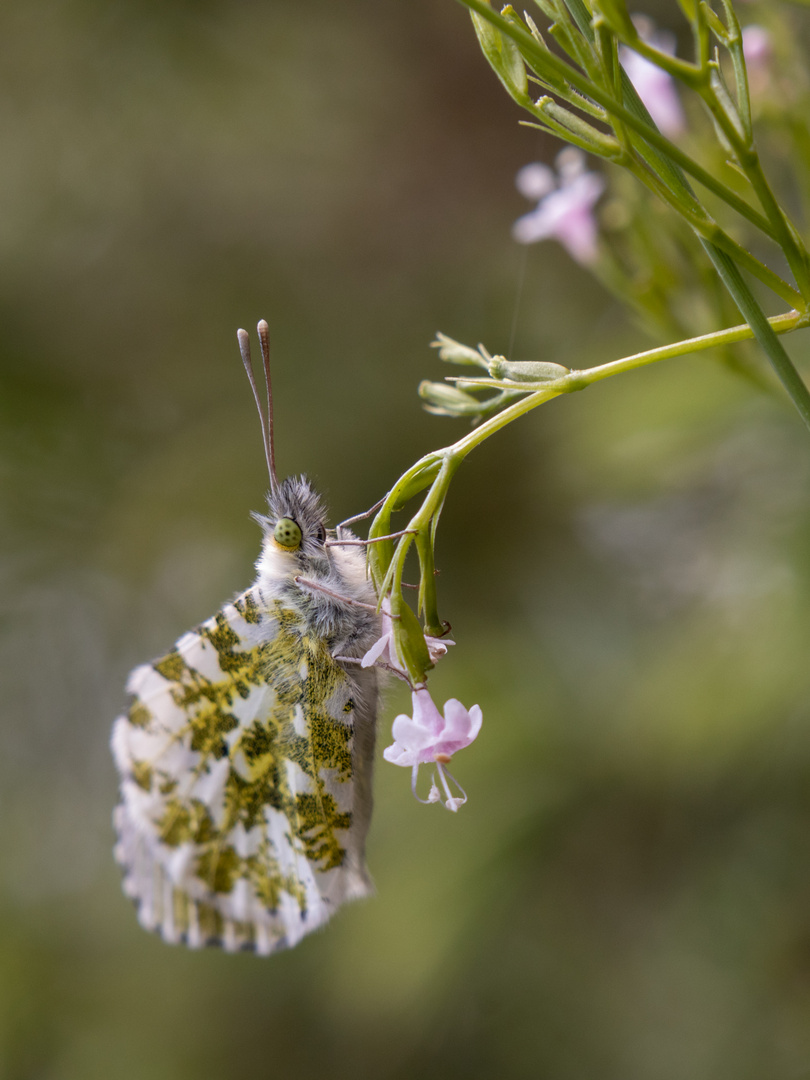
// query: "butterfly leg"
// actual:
[[355, 542], [361, 517], [377, 664], [315, 586]]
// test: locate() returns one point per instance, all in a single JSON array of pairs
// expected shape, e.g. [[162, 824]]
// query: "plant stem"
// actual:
[[746, 153], [781, 324], [658, 150], [763, 331], [708, 230], [579, 380], [437, 469], [530, 48]]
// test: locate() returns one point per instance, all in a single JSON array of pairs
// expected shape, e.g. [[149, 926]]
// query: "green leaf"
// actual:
[[504, 57]]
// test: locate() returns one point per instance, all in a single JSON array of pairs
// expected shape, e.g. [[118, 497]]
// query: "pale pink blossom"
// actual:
[[654, 86], [757, 44], [535, 180], [758, 53], [430, 737], [384, 650], [565, 209]]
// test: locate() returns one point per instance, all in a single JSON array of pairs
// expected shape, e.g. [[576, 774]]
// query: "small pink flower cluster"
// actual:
[[564, 210], [758, 52], [432, 737], [428, 736], [654, 86]]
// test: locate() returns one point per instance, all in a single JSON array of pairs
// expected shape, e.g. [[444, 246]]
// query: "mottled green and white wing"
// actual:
[[245, 764]]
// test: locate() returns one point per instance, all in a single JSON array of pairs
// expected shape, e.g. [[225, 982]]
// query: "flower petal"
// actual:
[[654, 86], [377, 649], [399, 755], [535, 180], [437, 647], [425, 712], [410, 733], [458, 726]]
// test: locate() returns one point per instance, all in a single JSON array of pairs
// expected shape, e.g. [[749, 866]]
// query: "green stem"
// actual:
[[746, 153], [579, 380], [740, 138], [709, 230], [735, 123], [438, 468], [780, 324], [541, 58], [726, 268], [763, 331]]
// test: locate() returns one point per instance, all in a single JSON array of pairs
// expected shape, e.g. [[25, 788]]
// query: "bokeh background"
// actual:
[[627, 893]]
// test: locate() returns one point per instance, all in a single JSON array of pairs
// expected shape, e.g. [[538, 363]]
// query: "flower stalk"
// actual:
[[434, 472], [599, 89]]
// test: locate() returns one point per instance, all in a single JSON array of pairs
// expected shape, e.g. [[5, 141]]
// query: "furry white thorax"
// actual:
[[338, 576], [345, 567]]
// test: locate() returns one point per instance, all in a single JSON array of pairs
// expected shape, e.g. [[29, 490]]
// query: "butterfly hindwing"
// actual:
[[245, 761]]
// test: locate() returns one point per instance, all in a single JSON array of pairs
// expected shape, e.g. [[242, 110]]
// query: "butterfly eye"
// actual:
[[287, 534]]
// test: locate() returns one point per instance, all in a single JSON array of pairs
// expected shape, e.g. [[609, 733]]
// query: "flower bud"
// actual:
[[445, 400], [456, 353]]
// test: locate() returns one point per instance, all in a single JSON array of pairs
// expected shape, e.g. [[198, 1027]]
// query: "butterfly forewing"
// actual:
[[245, 760]]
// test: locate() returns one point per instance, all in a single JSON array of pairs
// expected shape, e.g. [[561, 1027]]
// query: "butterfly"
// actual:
[[245, 757]]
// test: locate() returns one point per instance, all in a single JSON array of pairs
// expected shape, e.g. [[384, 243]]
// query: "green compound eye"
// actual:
[[287, 534]]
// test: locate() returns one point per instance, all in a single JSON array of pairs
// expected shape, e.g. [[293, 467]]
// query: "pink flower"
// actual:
[[430, 737], [565, 209], [758, 53], [757, 45], [384, 650], [654, 86]]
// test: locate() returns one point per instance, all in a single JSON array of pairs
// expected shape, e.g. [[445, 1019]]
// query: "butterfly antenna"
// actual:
[[264, 341], [266, 421]]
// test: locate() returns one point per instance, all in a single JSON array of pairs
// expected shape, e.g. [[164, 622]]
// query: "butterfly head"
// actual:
[[294, 524]]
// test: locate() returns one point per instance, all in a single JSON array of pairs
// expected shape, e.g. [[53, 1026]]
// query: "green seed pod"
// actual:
[[409, 640], [525, 370]]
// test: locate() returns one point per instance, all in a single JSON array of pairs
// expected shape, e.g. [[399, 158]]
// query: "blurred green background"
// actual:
[[627, 893]]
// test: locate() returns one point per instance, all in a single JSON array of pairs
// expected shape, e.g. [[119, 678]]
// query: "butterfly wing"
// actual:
[[245, 764]]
